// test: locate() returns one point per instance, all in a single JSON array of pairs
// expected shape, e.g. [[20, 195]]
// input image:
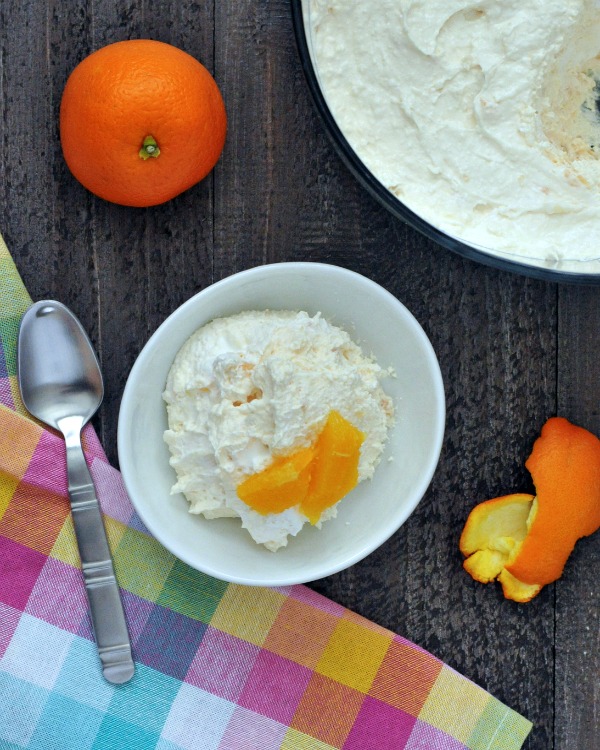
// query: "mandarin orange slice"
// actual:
[[312, 478], [524, 541], [335, 469], [283, 484]]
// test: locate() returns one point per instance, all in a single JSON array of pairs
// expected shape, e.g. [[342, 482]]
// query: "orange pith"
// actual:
[[131, 91], [492, 536], [313, 478]]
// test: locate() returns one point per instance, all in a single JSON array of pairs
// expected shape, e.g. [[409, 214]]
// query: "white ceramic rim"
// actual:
[[217, 288]]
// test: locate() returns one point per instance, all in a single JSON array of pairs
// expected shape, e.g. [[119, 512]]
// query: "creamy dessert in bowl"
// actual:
[[482, 118], [274, 416]]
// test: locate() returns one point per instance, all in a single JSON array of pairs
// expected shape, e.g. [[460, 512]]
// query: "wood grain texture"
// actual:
[[577, 689], [513, 351]]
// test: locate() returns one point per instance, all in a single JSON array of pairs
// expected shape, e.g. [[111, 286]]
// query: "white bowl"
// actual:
[[373, 511]]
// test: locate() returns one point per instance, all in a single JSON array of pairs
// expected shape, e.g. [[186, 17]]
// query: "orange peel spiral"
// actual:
[[524, 541]]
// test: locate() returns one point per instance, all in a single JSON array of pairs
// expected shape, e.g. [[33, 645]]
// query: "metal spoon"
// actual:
[[61, 384]]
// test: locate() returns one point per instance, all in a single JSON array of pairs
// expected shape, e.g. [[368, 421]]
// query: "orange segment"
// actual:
[[281, 485], [565, 467], [313, 478], [335, 470]]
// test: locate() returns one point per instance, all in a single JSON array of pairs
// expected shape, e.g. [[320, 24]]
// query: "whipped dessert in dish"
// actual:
[[481, 117], [274, 416]]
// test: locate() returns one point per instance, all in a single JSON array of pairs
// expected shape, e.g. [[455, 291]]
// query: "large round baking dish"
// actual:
[[539, 269]]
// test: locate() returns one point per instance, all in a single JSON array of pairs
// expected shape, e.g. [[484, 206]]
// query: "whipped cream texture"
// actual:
[[248, 388], [481, 117]]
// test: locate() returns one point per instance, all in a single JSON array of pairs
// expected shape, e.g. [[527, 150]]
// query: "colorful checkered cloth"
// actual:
[[218, 666]]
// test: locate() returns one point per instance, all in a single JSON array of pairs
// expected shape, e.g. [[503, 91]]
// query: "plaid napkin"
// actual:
[[218, 666]]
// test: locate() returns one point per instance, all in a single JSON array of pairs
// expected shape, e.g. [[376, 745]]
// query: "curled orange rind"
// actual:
[[523, 541]]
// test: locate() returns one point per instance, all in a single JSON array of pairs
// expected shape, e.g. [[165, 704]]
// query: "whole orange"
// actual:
[[140, 122]]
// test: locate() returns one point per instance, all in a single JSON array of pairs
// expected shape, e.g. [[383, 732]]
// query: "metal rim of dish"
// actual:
[[393, 204]]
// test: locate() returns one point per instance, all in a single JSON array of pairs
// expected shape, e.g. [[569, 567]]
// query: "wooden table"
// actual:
[[513, 350]]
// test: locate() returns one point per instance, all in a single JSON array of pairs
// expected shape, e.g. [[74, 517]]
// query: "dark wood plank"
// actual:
[[121, 270], [45, 227], [577, 593], [151, 260], [496, 399]]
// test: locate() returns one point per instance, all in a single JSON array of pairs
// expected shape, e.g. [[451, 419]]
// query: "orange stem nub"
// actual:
[[149, 148]]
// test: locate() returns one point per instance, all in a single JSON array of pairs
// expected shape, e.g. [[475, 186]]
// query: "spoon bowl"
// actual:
[[58, 372]]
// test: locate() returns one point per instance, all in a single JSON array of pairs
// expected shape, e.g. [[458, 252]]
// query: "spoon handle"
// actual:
[[106, 608]]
